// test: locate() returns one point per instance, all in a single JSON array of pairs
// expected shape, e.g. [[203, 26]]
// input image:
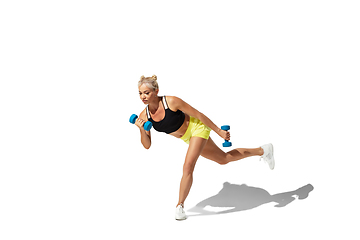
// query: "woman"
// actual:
[[177, 118]]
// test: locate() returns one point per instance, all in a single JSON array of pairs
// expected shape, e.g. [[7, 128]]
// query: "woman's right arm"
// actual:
[[145, 135]]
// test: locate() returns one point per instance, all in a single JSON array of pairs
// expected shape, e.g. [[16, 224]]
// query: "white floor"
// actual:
[[72, 166]]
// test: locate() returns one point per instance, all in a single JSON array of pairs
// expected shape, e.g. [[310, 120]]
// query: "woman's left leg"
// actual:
[[196, 145], [213, 152]]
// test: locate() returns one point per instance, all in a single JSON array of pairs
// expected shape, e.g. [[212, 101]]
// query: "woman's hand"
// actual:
[[139, 122], [224, 134]]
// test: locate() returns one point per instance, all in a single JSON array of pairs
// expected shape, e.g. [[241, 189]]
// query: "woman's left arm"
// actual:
[[177, 103]]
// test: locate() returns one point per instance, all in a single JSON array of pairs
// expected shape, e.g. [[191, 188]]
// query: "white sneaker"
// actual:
[[268, 155], [180, 213]]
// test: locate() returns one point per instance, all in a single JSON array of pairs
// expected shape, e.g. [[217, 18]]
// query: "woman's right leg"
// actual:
[[213, 152], [196, 146]]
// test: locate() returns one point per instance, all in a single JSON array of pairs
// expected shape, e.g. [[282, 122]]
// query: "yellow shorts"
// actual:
[[196, 129]]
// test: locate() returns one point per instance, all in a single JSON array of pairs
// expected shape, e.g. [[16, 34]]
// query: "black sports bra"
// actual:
[[171, 122]]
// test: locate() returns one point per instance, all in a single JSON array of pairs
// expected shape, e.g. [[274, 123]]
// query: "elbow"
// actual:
[[147, 146], [200, 116]]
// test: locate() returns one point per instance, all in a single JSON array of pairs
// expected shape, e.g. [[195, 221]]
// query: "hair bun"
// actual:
[[149, 82]]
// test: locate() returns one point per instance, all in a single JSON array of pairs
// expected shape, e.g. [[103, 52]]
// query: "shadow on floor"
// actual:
[[243, 197]]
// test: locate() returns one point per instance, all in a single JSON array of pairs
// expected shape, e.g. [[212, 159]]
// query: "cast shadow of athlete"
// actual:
[[243, 197]]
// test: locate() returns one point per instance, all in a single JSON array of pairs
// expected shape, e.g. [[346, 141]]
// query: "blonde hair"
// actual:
[[150, 82]]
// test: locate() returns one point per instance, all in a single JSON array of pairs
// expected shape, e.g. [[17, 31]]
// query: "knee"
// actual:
[[226, 159], [223, 162], [188, 169]]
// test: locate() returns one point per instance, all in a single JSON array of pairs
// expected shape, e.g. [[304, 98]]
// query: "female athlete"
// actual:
[[177, 118]]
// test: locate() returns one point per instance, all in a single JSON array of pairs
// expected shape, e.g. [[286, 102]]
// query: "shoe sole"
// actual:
[[272, 153]]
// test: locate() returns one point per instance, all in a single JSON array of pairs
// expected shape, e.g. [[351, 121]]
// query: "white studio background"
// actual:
[[72, 166]]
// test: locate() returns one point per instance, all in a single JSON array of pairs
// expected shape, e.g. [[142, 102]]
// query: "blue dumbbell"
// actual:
[[226, 143], [147, 125]]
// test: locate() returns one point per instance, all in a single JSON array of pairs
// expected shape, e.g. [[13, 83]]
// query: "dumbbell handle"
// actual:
[[147, 126], [226, 143]]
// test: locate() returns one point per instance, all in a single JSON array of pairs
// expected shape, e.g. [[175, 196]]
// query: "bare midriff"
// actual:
[[182, 130]]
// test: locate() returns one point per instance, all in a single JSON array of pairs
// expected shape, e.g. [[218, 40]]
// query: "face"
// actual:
[[147, 95]]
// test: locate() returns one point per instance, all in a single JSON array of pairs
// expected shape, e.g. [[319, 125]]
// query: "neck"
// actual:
[[153, 106]]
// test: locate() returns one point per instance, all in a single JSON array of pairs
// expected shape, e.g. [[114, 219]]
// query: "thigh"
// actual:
[[196, 146], [213, 152]]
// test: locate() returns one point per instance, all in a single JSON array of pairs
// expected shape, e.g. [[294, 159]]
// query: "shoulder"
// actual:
[[174, 102], [143, 115]]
